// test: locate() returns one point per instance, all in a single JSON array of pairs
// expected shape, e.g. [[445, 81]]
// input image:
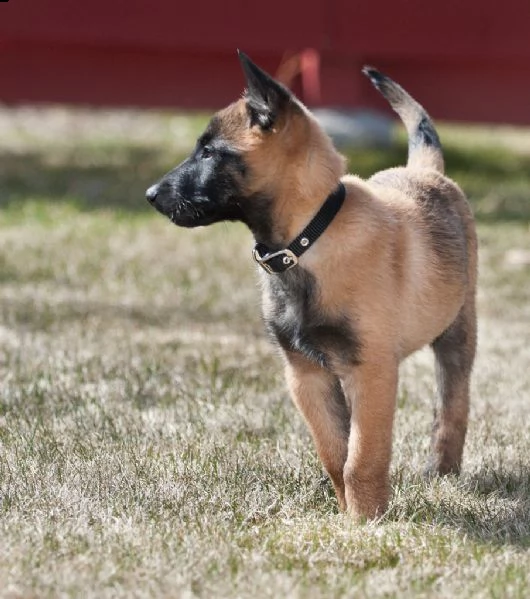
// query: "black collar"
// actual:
[[275, 262]]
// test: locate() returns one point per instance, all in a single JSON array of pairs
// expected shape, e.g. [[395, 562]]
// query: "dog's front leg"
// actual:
[[318, 395], [371, 389]]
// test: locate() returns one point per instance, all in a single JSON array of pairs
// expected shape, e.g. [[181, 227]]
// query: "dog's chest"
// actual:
[[295, 317]]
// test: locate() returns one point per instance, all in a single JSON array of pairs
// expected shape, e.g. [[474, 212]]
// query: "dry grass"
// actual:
[[147, 444]]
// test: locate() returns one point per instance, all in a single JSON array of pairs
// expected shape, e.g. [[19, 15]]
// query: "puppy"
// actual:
[[356, 274]]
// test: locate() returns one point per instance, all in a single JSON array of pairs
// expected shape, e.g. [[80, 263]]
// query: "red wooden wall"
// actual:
[[464, 59]]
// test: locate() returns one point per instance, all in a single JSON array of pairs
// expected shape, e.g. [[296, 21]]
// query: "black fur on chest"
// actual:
[[300, 324]]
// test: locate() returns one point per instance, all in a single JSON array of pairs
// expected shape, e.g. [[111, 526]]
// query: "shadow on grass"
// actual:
[[499, 508], [497, 182], [45, 317], [85, 180], [489, 506], [25, 315]]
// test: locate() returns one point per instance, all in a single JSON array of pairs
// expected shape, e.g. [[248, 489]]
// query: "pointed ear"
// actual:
[[266, 98]]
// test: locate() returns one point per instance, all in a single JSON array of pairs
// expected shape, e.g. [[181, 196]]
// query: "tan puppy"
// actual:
[[359, 274]]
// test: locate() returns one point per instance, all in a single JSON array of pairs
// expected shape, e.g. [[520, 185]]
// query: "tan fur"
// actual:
[[375, 263], [397, 285]]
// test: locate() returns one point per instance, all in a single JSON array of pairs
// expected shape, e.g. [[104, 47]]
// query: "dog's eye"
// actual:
[[207, 152]]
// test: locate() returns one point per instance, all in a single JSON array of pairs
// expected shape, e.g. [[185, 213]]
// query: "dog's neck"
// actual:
[[287, 211]]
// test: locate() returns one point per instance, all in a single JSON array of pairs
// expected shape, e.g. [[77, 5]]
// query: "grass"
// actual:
[[147, 444]]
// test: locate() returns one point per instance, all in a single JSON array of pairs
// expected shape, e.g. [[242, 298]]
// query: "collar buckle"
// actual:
[[277, 262], [281, 261]]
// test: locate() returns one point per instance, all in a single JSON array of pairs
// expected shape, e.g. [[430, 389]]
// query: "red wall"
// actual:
[[463, 59]]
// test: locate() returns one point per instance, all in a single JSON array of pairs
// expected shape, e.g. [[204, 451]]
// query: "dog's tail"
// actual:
[[425, 149]]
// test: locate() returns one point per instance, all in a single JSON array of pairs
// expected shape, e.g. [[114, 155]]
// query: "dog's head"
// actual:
[[249, 155]]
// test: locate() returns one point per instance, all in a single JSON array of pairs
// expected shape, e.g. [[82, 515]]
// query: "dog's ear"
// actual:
[[265, 97]]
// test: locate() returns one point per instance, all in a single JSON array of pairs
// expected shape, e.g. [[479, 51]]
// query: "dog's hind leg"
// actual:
[[318, 395], [454, 351]]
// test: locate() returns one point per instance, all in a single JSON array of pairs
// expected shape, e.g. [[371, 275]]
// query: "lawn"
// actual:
[[147, 444]]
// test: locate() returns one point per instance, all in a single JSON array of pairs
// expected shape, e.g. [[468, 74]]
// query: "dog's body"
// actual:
[[394, 270]]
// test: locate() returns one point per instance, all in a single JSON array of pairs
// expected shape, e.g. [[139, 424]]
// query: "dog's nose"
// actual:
[[151, 194]]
